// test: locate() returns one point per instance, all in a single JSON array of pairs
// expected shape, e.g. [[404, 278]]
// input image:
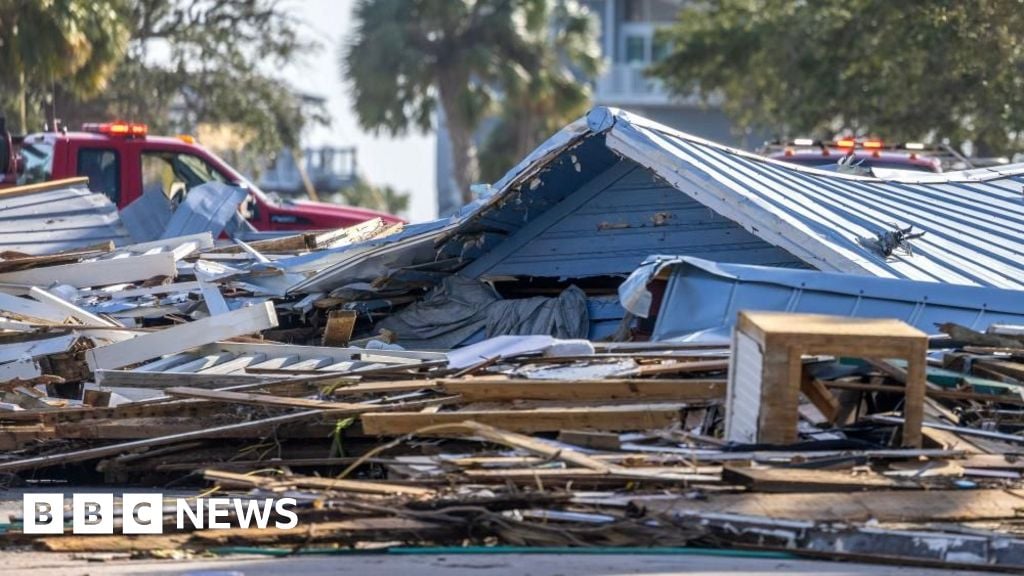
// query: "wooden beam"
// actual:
[[282, 482], [883, 506], [97, 273], [182, 337], [802, 480], [639, 390], [78, 181], [610, 418], [257, 399]]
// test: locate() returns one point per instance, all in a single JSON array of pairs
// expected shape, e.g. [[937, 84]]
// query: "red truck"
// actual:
[[122, 161]]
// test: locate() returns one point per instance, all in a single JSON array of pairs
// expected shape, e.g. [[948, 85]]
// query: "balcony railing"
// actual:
[[627, 84]]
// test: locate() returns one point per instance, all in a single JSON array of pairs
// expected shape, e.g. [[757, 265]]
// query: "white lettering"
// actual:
[[92, 513], [218, 508], [142, 514], [195, 516], [43, 513], [280, 508], [248, 510]]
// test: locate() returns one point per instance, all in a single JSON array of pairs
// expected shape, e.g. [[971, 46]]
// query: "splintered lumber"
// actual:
[[234, 479], [548, 419], [803, 480], [182, 337], [70, 310], [97, 273], [684, 367], [640, 390], [160, 380], [338, 330], [257, 399], [884, 506], [228, 430], [613, 474], [103, 451], [930, 392]]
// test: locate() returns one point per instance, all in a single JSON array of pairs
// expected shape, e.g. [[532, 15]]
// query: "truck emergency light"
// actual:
[[121, 129], [846, 143], [872, 144]]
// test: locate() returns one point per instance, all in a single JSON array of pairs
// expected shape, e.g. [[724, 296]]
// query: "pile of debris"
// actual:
[[401, 403]]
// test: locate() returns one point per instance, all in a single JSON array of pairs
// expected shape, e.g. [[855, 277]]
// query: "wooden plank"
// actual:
[[35, 311], [257, 399], [682, 475], [160, 380], [338, 330], [225, 478], [641, 390], [803, 480], [930, 392], [883, 506], [179, 338], [190, 286], [36, 348], [338, 354], [83, 316], [20, 262], [678, 368], [98, 273], [244, 428], [201, 240], [611, 418], [75, 182]]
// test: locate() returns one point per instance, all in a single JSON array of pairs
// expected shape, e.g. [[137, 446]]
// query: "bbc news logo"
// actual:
[[144, 513]]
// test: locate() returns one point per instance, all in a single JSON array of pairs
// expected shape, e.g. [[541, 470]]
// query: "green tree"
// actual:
[[407, 56], [538, 102], [76, 43], [192, 62], [903, 70], [366, 195]]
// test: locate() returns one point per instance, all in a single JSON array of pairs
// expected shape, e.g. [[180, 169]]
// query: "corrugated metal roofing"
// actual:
[[531, 222], [701, 298], [62, 218], [971, 219]]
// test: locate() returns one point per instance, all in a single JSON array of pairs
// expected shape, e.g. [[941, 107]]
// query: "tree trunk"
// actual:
[[460, 134], [22, 104]]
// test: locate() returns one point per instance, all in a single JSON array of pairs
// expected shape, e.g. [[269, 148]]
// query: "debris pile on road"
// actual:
[[696, 403]]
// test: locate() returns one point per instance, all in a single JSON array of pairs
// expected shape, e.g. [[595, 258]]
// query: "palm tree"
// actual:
[[538, 102], [76, 43], [407, 56]]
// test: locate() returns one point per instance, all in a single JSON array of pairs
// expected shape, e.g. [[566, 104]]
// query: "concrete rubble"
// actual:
[[530, 372]]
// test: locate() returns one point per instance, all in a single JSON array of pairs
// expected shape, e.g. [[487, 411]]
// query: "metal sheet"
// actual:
[[702, 298]]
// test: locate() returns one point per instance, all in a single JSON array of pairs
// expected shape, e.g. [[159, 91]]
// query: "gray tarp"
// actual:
[[458, 308]]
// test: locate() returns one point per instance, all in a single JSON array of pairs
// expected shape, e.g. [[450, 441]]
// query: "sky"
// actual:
[[406, 163]]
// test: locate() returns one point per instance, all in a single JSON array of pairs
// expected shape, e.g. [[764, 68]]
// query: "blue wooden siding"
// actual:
[[614, 221]]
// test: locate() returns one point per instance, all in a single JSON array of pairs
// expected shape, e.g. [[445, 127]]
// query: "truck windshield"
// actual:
[[38, 159]]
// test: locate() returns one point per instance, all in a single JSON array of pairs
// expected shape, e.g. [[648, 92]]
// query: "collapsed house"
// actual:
[[590, 204], [180, 358]]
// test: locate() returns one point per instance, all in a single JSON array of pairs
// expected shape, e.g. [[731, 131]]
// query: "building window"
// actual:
[[636, 49], [103, 169]]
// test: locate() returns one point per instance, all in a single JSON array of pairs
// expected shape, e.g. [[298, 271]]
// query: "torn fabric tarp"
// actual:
[[459, 308]]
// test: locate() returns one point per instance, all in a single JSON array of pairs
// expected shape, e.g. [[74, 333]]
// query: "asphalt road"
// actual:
[[41, 564]]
